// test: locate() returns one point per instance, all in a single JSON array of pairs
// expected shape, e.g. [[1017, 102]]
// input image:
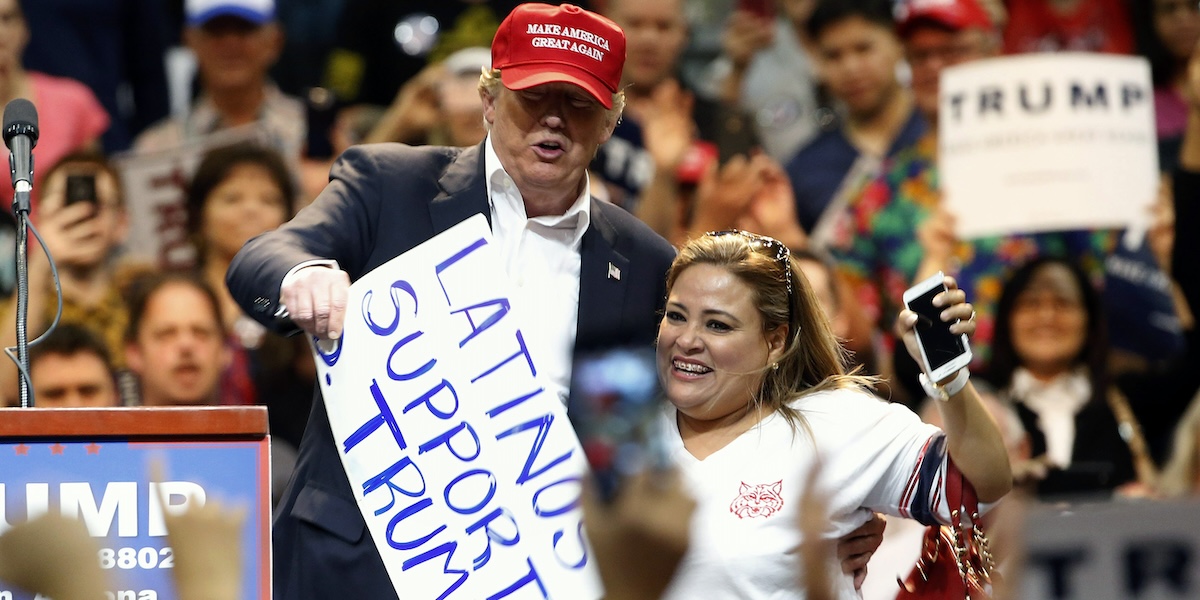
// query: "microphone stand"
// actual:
[[21, 211]]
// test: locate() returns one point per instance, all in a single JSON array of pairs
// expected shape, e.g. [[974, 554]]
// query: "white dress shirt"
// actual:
[[1055, 402], [541, 258]]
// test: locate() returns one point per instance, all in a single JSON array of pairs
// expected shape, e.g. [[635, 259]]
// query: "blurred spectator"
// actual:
[[838, 306], [174, 342], [1181, 475], [116, 48], [818, 270], [641, 537], [1070, 25], [176, 347], [1050, 358], [52, 556], [83, 221], [895, 231], [235, 42], [71, 117], [663, 122], [440, 105], [745, 193], [237, 193], [859, 55], [1167, 32], [383, 44], [767, 69], [70, 368]]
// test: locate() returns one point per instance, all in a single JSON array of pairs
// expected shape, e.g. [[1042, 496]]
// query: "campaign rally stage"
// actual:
[[467, 471]]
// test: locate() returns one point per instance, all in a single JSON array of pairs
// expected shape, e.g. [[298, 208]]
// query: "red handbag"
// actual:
[[955, 562]]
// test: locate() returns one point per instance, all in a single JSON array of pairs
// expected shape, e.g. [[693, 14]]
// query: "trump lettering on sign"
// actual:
[[1047, 142]]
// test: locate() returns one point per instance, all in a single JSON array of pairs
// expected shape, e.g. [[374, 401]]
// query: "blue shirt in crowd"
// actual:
[[817, 170]]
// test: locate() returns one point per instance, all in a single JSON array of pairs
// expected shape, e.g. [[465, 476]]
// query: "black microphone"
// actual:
[[20, 135]]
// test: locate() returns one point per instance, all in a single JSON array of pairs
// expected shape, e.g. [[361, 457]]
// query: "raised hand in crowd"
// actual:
[[667, 126], [972, 436], [71, 233], [938, 240], [640, 538], [53, 556], [745, 35], [814, 508], [724, 194], [208, 553], [748, 193], [414, 113], [668, 131], [772, 211], [206, 541]]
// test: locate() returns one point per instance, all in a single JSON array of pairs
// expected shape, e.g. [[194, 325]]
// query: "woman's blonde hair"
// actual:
[[812, 360]]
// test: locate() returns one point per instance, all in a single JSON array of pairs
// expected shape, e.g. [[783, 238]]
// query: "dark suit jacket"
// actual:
[[1100, 458], [383, 200]]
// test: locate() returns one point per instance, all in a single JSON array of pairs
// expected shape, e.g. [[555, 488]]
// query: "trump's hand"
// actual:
[[315, 298]]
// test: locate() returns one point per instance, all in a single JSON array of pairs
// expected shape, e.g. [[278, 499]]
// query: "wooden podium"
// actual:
[[93, 464]]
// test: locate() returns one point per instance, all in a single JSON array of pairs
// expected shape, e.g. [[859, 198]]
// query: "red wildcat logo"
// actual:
[[761, 500]]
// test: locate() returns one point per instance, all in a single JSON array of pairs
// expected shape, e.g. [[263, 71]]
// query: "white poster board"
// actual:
[[1145, 549], [1045, 142], [155, 185], [468, 475]]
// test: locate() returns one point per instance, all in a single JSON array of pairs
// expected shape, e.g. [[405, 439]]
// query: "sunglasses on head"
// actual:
[[772, 245]]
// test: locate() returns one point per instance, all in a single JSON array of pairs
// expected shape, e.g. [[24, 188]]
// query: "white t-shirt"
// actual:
[[745, 536]]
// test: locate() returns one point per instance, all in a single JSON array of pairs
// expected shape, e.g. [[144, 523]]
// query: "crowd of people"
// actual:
[[770, 178]]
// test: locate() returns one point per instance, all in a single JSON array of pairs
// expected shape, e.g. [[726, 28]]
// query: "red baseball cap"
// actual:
[[542, 43], [955, 15]]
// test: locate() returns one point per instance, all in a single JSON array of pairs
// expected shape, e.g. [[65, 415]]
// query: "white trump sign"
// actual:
[[1047, 142], [155, 191], [467, 472], [1148, 550]]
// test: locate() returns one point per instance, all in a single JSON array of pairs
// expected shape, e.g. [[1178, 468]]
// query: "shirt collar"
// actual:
[[204, 117], [502, 188], [1068, 392]]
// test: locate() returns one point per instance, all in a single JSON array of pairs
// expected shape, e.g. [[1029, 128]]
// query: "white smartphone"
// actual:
[[942, 352]]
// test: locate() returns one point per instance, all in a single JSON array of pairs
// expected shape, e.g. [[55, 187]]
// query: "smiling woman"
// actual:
[[759, 397], [1050, 355]]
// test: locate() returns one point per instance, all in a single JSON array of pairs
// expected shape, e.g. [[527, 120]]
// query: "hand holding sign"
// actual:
[[466, 470], [315, 298]]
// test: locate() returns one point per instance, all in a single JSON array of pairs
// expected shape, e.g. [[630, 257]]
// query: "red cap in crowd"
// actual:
[[955, 15], [542, 43]]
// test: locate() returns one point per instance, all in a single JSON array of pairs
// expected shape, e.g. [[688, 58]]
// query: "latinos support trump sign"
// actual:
[[467, 472]]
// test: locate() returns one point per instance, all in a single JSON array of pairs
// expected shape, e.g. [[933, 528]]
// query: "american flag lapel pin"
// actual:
[[614, 272]]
